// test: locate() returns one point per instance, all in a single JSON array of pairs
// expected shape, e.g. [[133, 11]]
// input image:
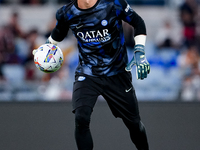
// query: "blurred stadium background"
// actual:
[[172, 50], [27, 122]]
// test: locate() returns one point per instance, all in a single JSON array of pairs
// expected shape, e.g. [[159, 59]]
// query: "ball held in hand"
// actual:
[[48, 58]]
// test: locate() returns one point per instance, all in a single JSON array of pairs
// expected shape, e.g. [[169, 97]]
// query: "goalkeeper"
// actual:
[[103, 67]]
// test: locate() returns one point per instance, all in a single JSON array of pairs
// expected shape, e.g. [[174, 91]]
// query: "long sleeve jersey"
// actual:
[[99, 34]]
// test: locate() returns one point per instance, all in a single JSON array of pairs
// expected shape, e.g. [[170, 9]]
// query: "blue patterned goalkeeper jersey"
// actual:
[[99, 33]]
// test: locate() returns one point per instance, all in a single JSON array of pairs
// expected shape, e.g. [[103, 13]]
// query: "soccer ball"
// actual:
[[48, 58]]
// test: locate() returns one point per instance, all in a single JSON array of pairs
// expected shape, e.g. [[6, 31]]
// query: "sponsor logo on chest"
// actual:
[[95, 36], [101, 35]]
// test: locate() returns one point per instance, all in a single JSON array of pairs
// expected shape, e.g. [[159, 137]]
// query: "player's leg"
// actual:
[[131, 119], [82, 130], [120, 95], [85, 93], [137, 134]]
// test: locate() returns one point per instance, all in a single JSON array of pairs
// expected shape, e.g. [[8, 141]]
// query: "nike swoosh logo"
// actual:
[[77, 27], [128, 90]]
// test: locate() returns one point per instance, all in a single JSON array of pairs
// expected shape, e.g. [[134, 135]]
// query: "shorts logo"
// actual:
[[81, 78], [104, 22], [127, 90]]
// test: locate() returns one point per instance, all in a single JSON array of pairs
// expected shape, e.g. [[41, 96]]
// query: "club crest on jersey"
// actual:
[[104, 22], [81, 78]]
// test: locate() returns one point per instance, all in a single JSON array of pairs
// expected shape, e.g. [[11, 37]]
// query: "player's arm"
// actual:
[[61, 29], [130, 16]]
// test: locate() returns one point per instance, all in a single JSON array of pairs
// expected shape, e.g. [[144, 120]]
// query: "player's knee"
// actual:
[[82, 117], [82, 120]]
